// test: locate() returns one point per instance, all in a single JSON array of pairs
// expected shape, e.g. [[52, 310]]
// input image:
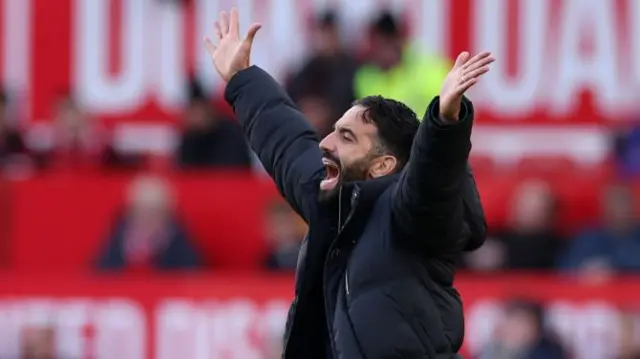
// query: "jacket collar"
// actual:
[[367, 192]]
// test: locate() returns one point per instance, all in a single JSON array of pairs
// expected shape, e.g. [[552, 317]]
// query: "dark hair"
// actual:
[[397, 125], [195, 91], [327, 19], [386, 24]]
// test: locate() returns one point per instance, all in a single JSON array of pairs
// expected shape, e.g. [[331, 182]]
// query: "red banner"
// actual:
[[560, 61], [231, 317]]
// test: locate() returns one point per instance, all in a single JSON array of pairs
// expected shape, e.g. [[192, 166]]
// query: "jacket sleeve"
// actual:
[[428, 206], [282, 138]]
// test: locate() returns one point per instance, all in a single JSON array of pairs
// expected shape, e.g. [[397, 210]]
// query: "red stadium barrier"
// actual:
[[60, 221], [227, 316]]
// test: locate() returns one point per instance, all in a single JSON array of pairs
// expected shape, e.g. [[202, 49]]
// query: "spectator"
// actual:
[[629, 340], [284, 233], [208, 140], [77, 142], [521, 335], [149, 236], [13, 151], [396, 70], [612, 247], [530, 241], [37, 343], [327, 75], [272, 348], [626, 146], [317, 110]]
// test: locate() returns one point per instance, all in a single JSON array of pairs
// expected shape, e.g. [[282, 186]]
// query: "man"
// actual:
[[386, 220]]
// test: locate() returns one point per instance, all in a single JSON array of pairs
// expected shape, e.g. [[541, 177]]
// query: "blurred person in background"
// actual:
[[285, 230], [317, 110], [530, 241], [325, 79], [611, 247], [521, 335], [38, 343], [78, 141], [149, 236], [209, 140], [629, 339], [273, 345], [395, 69], [626, 145], [13, 151]]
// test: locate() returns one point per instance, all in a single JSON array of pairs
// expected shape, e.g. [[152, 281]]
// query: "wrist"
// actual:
[[450, 116]]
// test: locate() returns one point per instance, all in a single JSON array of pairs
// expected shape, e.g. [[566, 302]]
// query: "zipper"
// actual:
[[341, 225], [346, 283], [354, 202]]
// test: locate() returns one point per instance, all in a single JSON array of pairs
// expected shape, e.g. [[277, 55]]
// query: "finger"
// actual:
[[462, 59], [217, 30], [251, 33], [467, 85], [234, 23], [478, 64], [476, 73], [224, 23], [211, 48], [477, 58], [471, 78]]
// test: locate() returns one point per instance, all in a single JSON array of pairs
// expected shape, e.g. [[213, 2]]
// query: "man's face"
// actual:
[[349, 152]]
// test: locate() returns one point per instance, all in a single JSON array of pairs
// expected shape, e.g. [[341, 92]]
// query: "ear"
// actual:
[[382, 166]]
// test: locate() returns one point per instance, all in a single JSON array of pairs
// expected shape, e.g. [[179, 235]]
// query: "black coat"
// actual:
[[375, 273]]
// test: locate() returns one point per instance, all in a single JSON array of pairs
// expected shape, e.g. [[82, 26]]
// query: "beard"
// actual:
[[356, 171]]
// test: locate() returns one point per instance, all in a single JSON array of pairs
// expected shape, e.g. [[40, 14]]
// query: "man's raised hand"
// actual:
[[465, 73], [228, 51]]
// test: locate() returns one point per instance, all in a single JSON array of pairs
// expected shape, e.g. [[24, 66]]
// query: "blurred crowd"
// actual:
[[148, 235], [323, 87]]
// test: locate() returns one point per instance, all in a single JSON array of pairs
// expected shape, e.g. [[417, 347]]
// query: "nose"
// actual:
[[328, 143]]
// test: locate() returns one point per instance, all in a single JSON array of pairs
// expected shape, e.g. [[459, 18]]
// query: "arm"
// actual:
[[473, 212], [279, 134], [428, 207]]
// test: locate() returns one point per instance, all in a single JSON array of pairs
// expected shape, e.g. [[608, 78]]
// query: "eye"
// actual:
[[345, 137]]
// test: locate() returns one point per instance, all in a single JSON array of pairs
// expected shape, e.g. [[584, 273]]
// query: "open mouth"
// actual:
[[332, 176]]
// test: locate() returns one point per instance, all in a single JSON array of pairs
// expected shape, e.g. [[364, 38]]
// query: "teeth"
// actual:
[[328, 163]]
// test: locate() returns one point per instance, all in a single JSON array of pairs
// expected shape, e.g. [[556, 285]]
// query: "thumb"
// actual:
[[462, 58], [251, 34]]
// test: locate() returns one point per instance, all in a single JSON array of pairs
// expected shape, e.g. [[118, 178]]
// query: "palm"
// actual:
[[465, 73], [230, 54]]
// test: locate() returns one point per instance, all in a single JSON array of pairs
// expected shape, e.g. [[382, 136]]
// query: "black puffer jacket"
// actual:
[[375, 274]]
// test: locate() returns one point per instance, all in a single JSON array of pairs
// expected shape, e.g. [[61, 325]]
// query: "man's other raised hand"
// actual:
[[228, 51], [465, 73]]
